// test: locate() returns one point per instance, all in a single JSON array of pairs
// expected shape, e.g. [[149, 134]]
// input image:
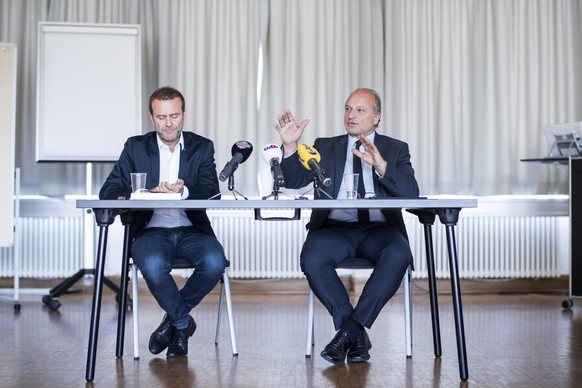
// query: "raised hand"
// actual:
[[289, 130], [371, 155]]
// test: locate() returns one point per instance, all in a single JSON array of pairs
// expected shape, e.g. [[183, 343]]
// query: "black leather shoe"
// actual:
[[359, 350], [179, 345], [335, 351], [191, 326], [162, 336]]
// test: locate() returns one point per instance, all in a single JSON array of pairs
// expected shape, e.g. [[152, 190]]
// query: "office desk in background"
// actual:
[[574, 165], [426, 210]]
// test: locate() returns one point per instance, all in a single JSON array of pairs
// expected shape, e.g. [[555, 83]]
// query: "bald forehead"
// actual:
[[361, 98]]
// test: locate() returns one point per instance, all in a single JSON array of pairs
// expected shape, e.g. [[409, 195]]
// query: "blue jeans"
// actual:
[[155, 250]]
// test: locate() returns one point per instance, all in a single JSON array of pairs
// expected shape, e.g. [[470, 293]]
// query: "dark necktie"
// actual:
[[363, 214]]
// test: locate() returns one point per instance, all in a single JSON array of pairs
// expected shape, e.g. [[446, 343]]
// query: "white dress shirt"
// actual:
[[169, 168], [351, 215]]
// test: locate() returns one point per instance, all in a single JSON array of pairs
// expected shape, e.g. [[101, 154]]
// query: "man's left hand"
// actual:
[[166, 187], [371, 155]]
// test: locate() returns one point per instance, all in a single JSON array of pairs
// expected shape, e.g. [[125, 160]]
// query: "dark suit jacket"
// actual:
[[399, 180], [141, 154]]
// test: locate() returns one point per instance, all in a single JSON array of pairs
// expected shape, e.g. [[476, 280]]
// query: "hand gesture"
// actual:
[[289, 131], [371, 155]]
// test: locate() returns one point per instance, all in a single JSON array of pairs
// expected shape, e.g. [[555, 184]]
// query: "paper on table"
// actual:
[[157, 196]]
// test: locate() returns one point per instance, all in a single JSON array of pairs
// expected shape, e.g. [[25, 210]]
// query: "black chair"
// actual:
[[356, 263]]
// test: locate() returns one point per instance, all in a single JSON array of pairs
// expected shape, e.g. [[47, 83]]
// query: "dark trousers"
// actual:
[[336, 241], [155, 250]]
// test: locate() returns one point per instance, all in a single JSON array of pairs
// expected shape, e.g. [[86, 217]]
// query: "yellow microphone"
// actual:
[[309, 158]]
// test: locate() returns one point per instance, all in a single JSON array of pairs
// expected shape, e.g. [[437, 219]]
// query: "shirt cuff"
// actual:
[[186, 192]]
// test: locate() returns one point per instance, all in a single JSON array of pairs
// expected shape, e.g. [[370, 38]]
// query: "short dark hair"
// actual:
[[167, 93]]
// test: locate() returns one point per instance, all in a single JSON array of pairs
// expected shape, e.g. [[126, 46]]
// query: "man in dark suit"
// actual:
[[335, 235], [175, 162]]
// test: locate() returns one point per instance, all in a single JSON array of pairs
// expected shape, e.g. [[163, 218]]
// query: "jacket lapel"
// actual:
[[381, 145], [183, 156], [154, 153], [340, 153]]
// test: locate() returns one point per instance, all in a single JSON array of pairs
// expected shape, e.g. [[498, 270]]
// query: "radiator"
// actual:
[[493, 247], [488, 246], [261, 249], [50, 247]]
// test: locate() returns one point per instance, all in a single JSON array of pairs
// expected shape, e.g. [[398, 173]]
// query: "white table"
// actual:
[[426, 209]]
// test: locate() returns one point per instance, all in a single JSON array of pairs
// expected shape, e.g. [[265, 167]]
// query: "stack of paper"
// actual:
[[156, 196]]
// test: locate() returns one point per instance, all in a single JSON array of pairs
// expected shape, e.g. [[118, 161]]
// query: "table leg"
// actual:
[[449, 217], [427, 218], [96, 309], [104, 218], [122, 308], [432, 289]]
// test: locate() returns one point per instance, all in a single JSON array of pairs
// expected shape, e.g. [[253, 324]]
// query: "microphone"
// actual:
[[309, 158], [241, 150], [273, 155]]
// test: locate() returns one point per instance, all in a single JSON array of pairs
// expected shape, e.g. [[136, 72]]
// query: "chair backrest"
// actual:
[[355, 263]]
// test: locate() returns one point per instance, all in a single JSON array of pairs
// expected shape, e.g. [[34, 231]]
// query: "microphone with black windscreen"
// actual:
[[241, 150]]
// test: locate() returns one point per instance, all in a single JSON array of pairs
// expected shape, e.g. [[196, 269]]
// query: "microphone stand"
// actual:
[[230, 189], [275, 193], [317, 189]]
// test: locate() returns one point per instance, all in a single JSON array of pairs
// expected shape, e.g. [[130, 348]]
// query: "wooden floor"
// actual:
[[513, 340]]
